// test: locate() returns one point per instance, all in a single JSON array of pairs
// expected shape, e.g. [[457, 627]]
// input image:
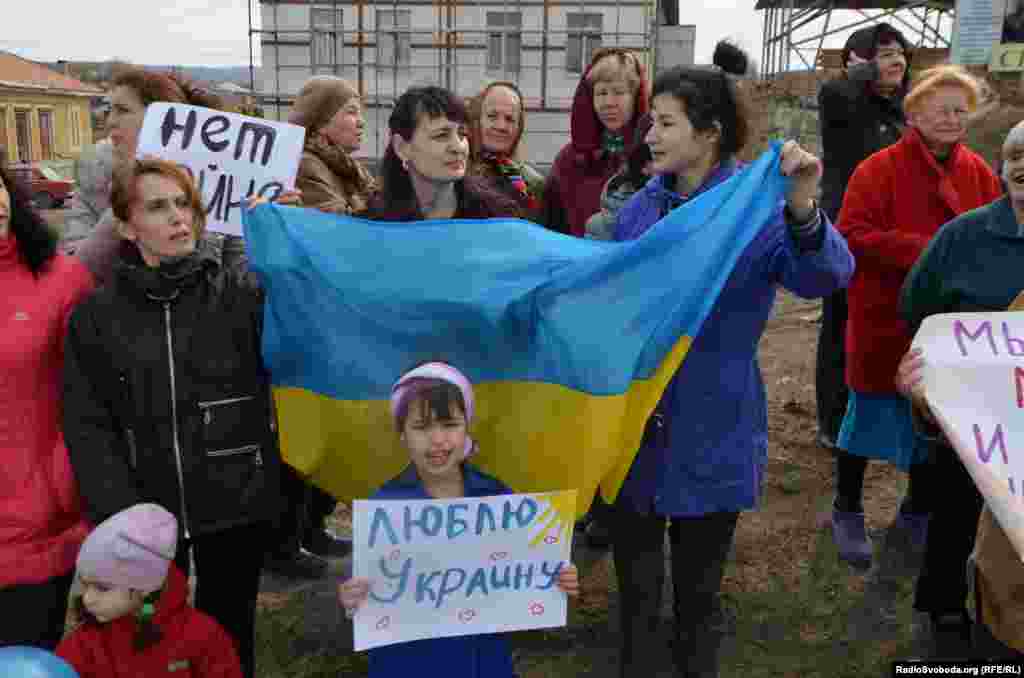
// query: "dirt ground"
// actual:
[[791, 608]]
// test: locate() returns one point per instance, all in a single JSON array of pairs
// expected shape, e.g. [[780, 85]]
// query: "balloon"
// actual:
[[18, 661]]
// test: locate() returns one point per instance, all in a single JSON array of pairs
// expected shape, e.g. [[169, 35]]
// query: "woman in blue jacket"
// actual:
[[702, 457]]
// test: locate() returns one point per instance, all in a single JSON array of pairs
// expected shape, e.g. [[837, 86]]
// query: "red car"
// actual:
[[47, 188]]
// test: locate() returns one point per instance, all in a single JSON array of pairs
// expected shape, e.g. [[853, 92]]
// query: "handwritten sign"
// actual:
[[974, 383], [230, 156], [463, 566]]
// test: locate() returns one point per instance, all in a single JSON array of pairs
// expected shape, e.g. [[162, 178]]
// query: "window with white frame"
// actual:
[[327, 29], [394, 40], [76, 128], [584, 37], [504, 41]]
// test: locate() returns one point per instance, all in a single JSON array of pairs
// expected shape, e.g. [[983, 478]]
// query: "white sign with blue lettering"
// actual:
[[457, 567], [230, 156]]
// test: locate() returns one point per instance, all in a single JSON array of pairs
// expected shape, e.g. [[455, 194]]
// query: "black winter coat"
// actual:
[[198, 439], [855, 122]]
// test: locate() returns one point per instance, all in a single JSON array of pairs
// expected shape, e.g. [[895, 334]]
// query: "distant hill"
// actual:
[[101, 71]]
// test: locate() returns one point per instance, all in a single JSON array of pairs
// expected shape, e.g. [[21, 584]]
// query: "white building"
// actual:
[[385, 47]]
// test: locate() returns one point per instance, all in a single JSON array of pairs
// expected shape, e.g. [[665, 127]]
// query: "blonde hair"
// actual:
[[946, 75], [612, 64]]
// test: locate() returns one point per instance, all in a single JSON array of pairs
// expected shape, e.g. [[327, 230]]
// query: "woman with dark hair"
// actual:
[[423, 172], [166, 399], [134, 90], [41, 522], [861, 112], [702, 457], [609, 101], [498, 123]]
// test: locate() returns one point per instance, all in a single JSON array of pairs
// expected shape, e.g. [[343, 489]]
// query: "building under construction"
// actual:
[[385, 46]]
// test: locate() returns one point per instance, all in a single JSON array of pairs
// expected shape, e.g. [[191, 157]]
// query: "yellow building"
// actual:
[[44, 115]]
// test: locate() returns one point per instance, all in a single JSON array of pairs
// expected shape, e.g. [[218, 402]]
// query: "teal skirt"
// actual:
[[881, 427]]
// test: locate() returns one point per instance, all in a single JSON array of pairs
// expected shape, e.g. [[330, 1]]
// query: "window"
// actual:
[[46, 134], [584, 38], [327, 30], [76, 128], [504, 41], [394, 45], [24, 135]]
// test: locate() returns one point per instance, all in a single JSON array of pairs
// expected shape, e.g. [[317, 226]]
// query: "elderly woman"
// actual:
[[166, 399], [423, 172], [41, 523], [330, 179], [610, 99], [497, 128], [134, 89], [895, 202], [973, 264]]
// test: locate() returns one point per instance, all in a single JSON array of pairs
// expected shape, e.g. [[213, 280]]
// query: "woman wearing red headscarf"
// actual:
[[610, 99]]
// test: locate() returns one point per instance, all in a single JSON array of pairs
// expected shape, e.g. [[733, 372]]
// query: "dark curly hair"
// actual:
[[396, 200], [37, 242], [710, 96]]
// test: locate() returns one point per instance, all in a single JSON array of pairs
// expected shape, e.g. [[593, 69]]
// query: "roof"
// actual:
[[16, 72], [853, 4]]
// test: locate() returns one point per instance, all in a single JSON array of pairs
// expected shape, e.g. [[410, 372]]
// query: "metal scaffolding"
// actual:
[[385, 46], [795, 30]]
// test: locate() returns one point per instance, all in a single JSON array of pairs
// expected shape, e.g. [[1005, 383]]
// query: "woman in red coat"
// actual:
[[895, 202], [41, 523]]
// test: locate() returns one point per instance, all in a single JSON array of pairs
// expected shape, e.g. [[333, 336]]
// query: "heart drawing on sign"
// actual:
[[383, 623], [536, 609], [499, 555], [466, 616]]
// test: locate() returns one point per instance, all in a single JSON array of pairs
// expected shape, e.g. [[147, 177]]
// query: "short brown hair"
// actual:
[[945, 75], [319, 99], [125, 191]]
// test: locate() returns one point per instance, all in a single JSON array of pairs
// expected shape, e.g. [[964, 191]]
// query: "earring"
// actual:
[[405, 165]]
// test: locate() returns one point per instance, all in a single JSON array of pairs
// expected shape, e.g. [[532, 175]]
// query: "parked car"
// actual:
[[48, 188]]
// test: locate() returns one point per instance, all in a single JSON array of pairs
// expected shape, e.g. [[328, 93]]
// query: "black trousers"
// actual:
[[319, 506], [34, 614], [294, 519], [830, 390], [228, 565], [942, 583], [700, 546]]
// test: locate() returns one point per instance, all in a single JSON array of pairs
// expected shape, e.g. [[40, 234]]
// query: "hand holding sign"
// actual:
[[463, 566], [230, 156], [974, 386]]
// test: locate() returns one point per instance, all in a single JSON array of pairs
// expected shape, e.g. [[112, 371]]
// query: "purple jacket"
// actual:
[[711, 452]]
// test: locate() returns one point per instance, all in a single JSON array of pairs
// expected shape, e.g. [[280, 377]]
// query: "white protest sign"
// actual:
[[230, 156], [456, 567], [974, 383]]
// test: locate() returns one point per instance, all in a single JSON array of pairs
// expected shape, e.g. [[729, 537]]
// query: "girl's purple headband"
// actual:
[[403, 391]]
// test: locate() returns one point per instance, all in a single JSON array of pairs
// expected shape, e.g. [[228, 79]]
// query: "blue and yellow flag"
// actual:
[[569, 342]]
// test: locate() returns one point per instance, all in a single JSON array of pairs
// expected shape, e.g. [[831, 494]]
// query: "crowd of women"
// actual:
[[130, 367]]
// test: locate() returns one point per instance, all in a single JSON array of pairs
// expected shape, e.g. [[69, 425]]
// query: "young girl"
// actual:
[[135, 617], [432, 407]]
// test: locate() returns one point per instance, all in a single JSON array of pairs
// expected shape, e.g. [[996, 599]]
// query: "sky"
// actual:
[[215, 32]]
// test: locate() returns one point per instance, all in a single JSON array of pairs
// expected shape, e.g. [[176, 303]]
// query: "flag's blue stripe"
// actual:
[[353, 303]]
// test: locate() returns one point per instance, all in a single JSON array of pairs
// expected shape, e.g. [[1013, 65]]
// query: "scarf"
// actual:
[[612, 143], [357, 183], [512, 170]]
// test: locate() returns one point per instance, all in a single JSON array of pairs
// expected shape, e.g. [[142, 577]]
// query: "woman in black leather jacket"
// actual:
[[166, 396]]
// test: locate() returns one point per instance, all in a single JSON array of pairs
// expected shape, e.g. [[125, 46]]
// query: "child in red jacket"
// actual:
[[136, 620]]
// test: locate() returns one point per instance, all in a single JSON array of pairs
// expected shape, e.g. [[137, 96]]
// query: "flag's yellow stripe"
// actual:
[[575, 440]]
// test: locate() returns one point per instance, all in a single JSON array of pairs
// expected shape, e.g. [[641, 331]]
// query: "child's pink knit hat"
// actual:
[[132, 549]]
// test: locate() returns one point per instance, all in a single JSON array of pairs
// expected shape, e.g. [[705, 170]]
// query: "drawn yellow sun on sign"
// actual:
[[556, 521]]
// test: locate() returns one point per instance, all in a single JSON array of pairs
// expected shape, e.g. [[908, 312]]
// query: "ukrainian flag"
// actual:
[[569, 342]]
